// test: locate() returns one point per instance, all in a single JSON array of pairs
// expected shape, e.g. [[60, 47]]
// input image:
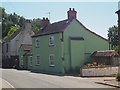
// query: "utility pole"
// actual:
[[118, 12]]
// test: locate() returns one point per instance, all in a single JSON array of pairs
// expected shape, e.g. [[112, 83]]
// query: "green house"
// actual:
[[64, 46], [25, 56]]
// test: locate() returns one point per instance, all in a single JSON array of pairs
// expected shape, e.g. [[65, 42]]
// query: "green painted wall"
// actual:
[[90, 44], [26, 60], [45, 50], [21, 53], [76, 53], [29, 64]]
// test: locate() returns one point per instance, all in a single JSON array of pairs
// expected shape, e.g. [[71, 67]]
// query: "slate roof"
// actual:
[[13, 35], [107, 53], [54, 28], [61, 26], [26, 47]]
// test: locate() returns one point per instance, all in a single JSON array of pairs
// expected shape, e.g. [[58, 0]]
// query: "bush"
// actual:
[[118, 76]]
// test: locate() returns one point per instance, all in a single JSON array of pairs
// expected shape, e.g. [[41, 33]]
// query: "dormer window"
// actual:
[[37, 43], [51, 41]]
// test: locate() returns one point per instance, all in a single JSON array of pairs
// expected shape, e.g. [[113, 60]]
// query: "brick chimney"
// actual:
[[45, 21], [71, 13]]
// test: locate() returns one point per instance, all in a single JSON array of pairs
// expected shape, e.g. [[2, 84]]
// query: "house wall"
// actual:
[[29, 64], [21, 52], [45, 50], [24, 37], [91, 43]]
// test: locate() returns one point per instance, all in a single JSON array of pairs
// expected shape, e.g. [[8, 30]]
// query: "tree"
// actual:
[[36, 24], [113, 36]]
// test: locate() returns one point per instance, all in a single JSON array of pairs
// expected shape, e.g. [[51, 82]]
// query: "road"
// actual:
[[27, 79]]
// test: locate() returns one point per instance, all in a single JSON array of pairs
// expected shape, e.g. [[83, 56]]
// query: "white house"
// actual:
[[22, 36]]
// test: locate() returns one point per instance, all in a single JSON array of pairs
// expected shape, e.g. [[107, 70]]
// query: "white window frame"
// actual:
[[30, 59], [52, 65], [37, 43], [21, 61], [51, 41], [37, 60]]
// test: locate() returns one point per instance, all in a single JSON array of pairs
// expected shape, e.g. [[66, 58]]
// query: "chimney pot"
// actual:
[[69, 9], [47, 19], [43, 18], [73, 9]]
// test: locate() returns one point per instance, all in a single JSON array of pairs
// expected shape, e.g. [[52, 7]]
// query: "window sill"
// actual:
[[36, 47], [52, 45], [52, 65], [37, 64]]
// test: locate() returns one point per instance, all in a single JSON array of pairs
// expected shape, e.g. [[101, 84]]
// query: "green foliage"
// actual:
[[36, 24], [12, 22], [9, 21], [13, 29], [113, 36], [118, 76]]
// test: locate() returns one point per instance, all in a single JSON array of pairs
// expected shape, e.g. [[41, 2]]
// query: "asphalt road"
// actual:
[[27, 79]]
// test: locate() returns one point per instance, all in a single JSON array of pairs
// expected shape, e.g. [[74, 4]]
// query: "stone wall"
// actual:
[[106, 71]]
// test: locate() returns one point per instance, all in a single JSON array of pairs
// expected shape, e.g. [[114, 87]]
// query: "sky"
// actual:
[[96, 16]]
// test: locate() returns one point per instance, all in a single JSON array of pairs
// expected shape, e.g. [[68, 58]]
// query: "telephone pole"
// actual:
[[118, 12]]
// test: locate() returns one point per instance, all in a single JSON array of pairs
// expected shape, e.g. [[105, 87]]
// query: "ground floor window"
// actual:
[[51, 60], [37, 60], [21, 60], [30, 60]]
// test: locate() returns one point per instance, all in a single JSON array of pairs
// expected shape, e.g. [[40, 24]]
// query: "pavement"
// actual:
[[5, 84], [113, 83], [109, 81]]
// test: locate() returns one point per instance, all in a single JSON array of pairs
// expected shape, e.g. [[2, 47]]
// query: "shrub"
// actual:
[[118, 76]]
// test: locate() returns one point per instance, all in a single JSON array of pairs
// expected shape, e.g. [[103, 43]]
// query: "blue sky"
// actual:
[[96, 16]]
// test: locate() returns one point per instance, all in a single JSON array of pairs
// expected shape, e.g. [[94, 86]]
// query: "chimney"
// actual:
[[71, 14], [45, 21], [28, 24]]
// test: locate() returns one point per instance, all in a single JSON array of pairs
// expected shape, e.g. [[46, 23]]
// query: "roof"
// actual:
[[54, 28], [106, 53], [28, 53], [61, 26], [117, 11], [26, 47], [13, 35]]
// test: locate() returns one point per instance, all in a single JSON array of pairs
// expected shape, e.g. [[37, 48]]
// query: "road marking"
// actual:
[[9, 84]]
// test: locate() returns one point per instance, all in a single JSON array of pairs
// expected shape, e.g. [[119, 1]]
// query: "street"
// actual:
[[27, 79]]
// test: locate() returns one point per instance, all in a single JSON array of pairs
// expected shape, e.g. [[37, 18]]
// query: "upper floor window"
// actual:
[[37, 42], [51, 41], [37, 60], [52, 60]]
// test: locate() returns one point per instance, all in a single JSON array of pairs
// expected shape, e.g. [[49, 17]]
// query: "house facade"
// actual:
[[25, 56], [11, 47], [64, 46]]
